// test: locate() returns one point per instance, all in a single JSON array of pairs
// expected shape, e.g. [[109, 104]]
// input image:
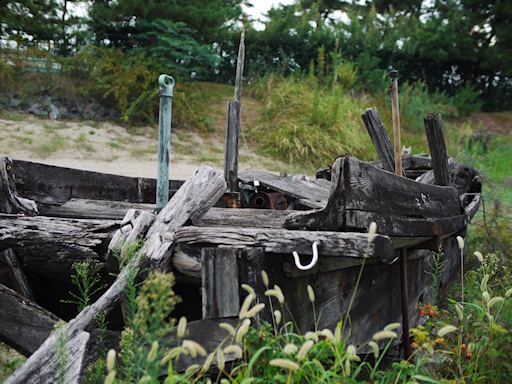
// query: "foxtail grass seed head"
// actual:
[[508, 293], [428, 347], [277, 316], [337, 333], [174, 352], [392, 326], [234, 350], [182, 327], [249, 289], [471, 347], [460, 242], [347, 367], [245, 306], [275, 293], [280, 292], [110, 377], [111, 360], [483, 283], [244, 328], [220, 360], [290, 349], [208, 362], [192, 369], [303, 351], [372, 231], [153, 351], [352, 353], [486, 296], [285, 363], [495, 300], [228, 327], [311, 293], [310, 335], [479, 256], [489, 317], [248, 380], [375, 348], [327, 333], [194, 348], [446, 330], [382, 335], [254, 310], [265, 279]]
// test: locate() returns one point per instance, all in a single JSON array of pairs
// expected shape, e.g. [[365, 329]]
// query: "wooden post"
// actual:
[[221, 297], [164, 140], [10, 202], [403, 253], [380, 138], [19, 280], [437, 145], [234, 124]]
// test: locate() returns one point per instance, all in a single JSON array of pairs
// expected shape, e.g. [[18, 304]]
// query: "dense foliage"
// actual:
[[459, 47]]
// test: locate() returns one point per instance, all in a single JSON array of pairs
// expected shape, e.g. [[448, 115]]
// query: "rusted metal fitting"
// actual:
[[271, 200]]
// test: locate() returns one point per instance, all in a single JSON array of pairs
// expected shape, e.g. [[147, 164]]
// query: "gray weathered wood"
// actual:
[[195, 197], [239, 76], [340, 244], [50, 246], [360, 191], [380, 138], [24, 325], [19, 279], [220, 287], [309, 194], [437, 145], [232, 144], [10, 202]]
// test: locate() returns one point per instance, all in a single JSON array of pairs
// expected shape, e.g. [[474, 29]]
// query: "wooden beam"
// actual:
[[437, 145], [24, 325], [18, 277], [10, 202], [220, 286], [380, 138], [232, 144]]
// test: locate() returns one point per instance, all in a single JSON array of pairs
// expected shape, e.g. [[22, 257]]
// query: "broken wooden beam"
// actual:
[[10, 201], [24, 325], [380, 138], [18, 278], [437, 145]]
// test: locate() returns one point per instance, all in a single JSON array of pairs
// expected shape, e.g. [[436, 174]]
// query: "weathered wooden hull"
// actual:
[[81, 212]]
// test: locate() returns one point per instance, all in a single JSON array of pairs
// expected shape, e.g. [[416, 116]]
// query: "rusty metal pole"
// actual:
[[404, 281], [166, 83]]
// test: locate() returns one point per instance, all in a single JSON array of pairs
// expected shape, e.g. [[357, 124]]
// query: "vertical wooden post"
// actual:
[[220, 287], [403, 252], [164, 140], [437, 145], [380, 138], [19, 279], [234, 124]]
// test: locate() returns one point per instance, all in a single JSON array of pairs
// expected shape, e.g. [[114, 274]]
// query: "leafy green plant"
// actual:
[[87, 281]]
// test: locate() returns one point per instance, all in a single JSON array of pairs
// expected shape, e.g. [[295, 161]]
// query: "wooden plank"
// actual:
[[19, 279], [10, 202], [220, 287], [339, 244], [380, 138], [52, 184], [24, 325], [50, 246], [309, 194], [193, 199], [232, 144], [437, 145]]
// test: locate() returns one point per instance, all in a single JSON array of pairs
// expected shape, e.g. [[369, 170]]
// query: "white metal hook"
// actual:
[[313, 261]]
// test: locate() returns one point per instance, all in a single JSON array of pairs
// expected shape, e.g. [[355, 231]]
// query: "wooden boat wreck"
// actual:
[[53, 216]]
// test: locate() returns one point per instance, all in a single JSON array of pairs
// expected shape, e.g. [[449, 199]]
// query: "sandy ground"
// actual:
[[109, 148]]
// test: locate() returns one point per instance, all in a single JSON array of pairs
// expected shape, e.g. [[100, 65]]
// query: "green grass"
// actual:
[[51, 145], [9, 361]]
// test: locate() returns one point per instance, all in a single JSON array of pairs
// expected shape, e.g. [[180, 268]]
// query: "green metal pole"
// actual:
[[164, 140]]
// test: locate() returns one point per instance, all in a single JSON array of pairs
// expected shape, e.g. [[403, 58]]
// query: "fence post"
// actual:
[[166, 93]]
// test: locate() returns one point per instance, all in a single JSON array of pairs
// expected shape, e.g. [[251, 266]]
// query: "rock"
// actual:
[[14, 102], [54, 112], [38, 110]]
